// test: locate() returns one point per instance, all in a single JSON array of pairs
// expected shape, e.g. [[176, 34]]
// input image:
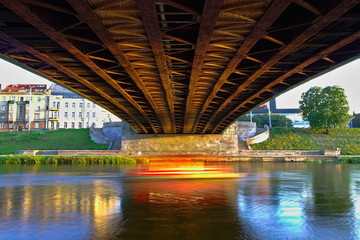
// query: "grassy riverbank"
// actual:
[[69, 139], [26, 159], [347, 139]]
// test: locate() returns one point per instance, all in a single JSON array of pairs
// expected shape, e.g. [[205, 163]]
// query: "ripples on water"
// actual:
[[274, 201]]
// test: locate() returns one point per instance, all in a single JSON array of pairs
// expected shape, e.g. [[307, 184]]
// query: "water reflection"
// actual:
[[56, 207], [313, 203], [273, 201], [183, 169], [192, 209]]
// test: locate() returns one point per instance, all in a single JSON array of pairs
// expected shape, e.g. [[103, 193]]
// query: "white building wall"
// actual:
[[78, 113]]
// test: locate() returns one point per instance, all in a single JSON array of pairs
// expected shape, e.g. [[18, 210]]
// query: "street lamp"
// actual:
[[29, 109], [269, 112]]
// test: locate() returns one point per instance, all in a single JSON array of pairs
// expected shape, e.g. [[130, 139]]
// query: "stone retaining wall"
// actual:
[[245, 130], [261, 136], [113, 130], [91, 152], [289, 152], [97, 136], [73, 152]]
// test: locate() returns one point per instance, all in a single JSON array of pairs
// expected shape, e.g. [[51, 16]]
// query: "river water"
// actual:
[[272, 201]]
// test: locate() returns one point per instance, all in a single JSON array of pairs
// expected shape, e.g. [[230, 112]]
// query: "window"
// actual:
[[73, 104], [21, 111], [10, 116], [73, 114], [11, 125], [54, 104], [93, 105], [58, 105], [37, 108], [88, 114], [80, 105], [65, 124], [93, 114], [21, 99], [1, 125], [13, 98], [57, 125], [4, 98], [72, 125], [2, 116], [88, 105], [11, 107], [66, 105], [37, 116], [80, 125], [27, 116], [3, 108], [36, 125], [66, 114], [52, 125], [80, 114], [39, 99]]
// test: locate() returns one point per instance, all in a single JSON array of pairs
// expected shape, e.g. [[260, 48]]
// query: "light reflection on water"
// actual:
[[274, 201]]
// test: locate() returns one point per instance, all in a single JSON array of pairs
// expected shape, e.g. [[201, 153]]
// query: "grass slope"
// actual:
[[348, 139], [70, 139]]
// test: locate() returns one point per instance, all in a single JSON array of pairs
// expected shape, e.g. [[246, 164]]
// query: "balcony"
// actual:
[[54, 109], [54, 118]]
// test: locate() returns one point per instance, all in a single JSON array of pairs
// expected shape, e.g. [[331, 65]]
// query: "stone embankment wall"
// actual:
[[262, 134], [289, 152], [246, 130], [73, 152], [111, 131], [97, 136]]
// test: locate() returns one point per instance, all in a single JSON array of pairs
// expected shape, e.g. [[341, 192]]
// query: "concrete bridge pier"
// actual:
[[226, 144], [170, 144]]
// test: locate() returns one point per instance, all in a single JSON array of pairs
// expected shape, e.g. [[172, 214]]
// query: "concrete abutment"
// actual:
[[226, 144]]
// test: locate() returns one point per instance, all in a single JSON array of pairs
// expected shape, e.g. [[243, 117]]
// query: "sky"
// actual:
[[347, 77]]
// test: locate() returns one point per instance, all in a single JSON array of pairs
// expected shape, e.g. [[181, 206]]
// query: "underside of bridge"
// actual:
[[180, 66]]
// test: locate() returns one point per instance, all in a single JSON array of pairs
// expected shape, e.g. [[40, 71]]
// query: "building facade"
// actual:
[[53, 108], [69, 110], [17, 108]]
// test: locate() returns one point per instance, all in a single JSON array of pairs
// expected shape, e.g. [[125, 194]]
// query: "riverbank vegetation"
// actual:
[[71, 160], [67, 139], [347, 139], [325, 108], [263, 119], [350, 160]]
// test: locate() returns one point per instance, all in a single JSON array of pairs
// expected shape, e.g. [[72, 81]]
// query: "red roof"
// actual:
[[25, 88]]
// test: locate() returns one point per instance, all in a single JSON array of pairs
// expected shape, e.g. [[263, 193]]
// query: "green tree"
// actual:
[[325, 108], [262, 119]]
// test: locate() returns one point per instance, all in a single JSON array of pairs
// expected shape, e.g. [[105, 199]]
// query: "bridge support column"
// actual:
[[178, 144]]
